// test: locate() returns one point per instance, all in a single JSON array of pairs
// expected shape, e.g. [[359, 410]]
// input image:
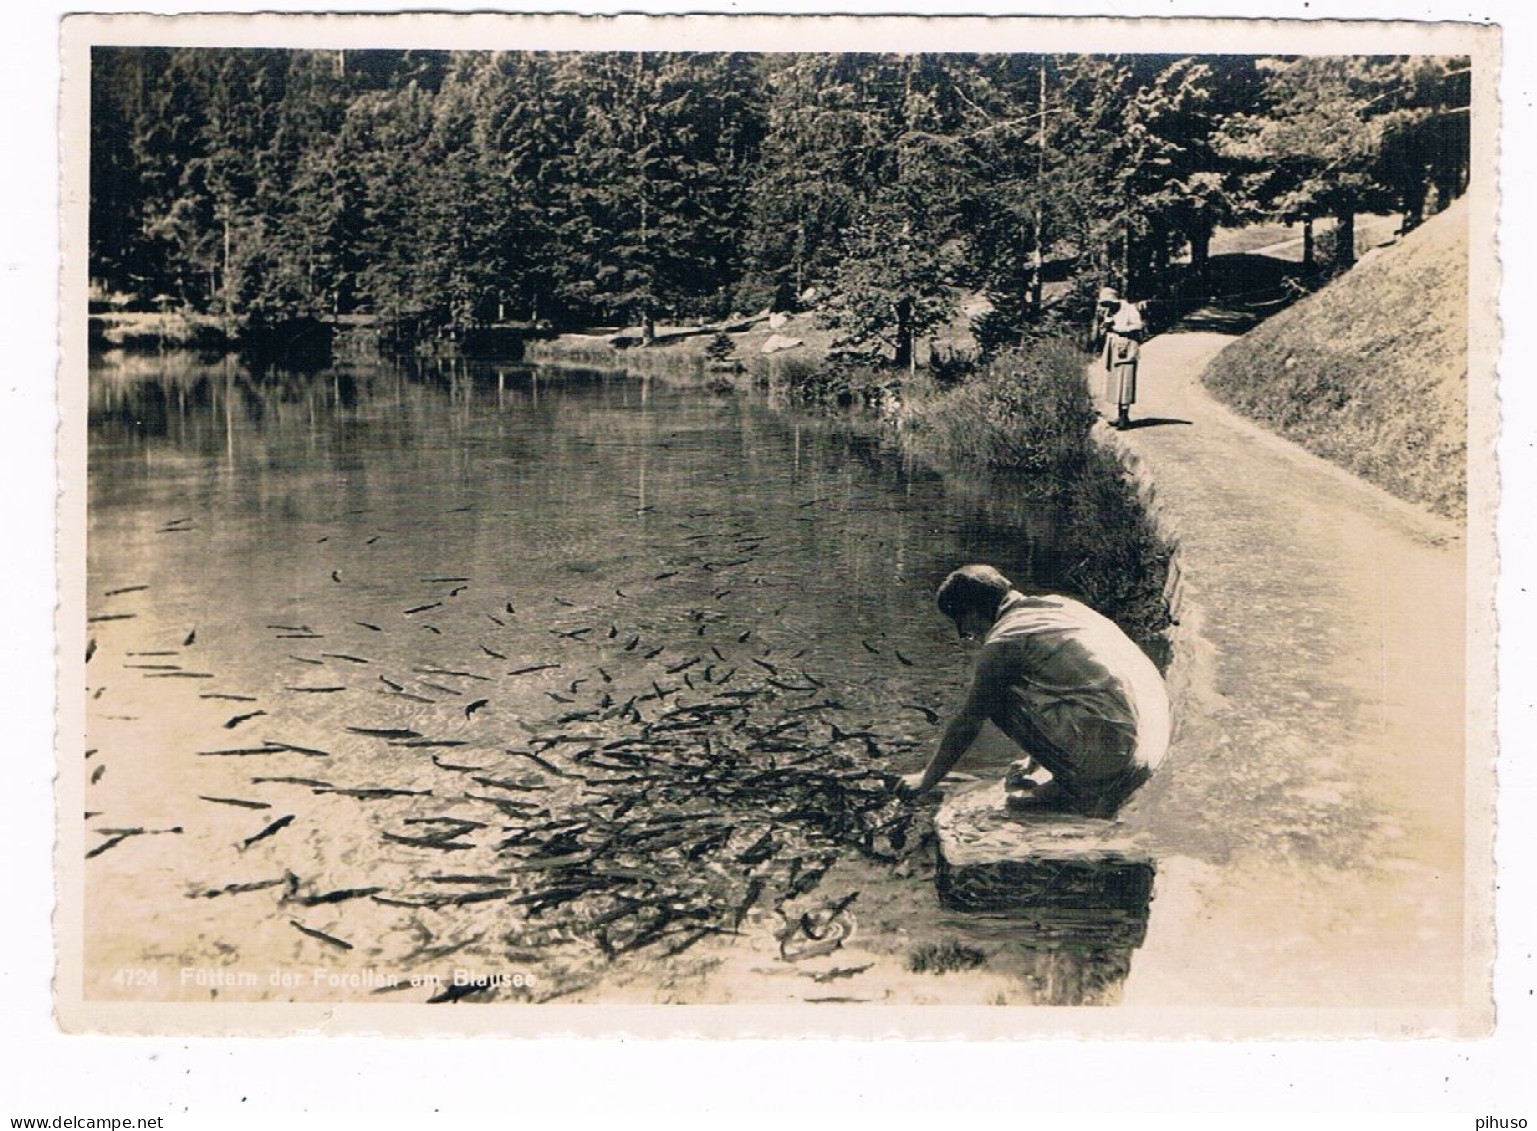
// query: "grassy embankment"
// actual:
[[1371, 372], [1023, 424]]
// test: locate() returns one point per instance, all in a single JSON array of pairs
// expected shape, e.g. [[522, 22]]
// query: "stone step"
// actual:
[[1077, 880]]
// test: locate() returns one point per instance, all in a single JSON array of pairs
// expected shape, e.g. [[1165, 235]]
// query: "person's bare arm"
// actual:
[[988, 686]]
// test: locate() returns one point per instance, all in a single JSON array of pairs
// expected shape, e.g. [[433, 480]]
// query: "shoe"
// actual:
[[1107, 799], [1048, 798]]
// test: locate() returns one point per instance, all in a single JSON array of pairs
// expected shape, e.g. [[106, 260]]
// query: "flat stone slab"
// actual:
[[1079, 879]]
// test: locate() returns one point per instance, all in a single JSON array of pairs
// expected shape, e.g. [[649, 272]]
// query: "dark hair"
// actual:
[[976, 589]]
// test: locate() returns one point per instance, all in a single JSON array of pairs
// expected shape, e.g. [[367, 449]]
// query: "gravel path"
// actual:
[[1310, 819]]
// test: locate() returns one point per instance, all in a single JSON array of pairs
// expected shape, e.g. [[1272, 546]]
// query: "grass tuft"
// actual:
[[945, 957]]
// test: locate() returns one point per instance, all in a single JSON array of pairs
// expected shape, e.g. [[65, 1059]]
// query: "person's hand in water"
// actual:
[[910, 786]]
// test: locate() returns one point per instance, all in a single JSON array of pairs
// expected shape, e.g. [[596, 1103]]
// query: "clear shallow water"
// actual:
[[387, 586]]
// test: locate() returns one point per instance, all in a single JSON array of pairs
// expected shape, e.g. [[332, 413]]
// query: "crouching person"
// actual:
[[1065, 684]]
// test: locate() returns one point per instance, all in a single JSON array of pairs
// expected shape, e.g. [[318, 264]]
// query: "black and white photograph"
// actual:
[[914, 524]]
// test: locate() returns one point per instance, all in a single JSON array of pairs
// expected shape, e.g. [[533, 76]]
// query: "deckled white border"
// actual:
[[758, 33], [1239, 1077]]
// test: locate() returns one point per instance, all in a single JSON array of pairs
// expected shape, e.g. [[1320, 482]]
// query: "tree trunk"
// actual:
[[647, 328], [904, 312], [1037, 256], [1037, 268], [1158, 260], [1200, 256], [1309, 260], [1447, 186], [1414, 208], [1345, 237]]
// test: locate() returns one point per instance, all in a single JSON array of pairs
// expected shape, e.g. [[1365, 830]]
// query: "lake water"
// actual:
[[546, 674]]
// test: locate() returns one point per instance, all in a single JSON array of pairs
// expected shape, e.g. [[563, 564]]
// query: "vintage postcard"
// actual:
[[777, 525]]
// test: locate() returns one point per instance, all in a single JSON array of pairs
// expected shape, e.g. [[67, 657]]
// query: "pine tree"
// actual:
[[828, 147], [312, 194], [891, 286], [385, 137], [1182, 184], [1313, 144], [455, 188], [1424, 151], [527, 127], [643, 226], [120, 255]]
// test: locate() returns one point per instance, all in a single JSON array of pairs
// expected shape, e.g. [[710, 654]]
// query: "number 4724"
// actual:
[[135, 976]]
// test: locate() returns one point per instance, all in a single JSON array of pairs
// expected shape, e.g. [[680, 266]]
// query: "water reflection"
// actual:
[[1067, 924], [1044, 534], [355, 548]]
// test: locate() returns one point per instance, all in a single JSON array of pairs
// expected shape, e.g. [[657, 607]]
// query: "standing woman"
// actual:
[[1123, 337]]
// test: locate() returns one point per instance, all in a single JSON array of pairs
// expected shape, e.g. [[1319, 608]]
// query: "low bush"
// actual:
[[1028, 409]]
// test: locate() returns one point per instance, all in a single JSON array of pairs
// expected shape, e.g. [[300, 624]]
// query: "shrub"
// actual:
[[721, 347], [1011, 325], [1028, 410], [951, 367], [801, 380], [995, 331]]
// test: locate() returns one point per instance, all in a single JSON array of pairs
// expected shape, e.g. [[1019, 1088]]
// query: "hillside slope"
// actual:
[[1371, 372]]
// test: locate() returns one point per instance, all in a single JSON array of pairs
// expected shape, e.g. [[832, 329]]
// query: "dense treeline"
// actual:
[[454, 189]]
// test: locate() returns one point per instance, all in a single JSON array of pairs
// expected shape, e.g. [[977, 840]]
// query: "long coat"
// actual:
[[1121, 354], [1122, 349]]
